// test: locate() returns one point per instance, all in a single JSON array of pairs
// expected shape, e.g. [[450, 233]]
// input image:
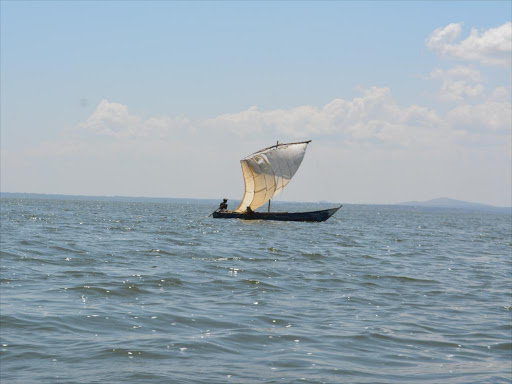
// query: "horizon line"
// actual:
[[404, 203]]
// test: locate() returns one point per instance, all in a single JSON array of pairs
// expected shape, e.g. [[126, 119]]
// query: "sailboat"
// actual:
[[266, 172]]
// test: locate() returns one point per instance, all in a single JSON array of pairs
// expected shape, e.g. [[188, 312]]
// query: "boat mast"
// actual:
[[277, 144]]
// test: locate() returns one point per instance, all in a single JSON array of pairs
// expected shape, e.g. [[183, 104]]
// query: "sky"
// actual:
[[403, 100]]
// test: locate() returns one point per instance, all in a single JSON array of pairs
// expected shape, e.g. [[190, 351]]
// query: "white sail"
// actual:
[[268, 171]]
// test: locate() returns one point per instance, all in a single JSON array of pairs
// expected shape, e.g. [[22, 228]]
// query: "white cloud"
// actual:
[[114, 119], [501, 94], [458, 83], [374, 116], [458, 72], [376, 119], [494, 114], [492, 46]]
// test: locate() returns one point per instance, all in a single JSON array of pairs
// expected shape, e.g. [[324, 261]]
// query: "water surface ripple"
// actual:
[[95, 292]]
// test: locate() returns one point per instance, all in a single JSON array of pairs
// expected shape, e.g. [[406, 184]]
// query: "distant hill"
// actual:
[[444, 202]]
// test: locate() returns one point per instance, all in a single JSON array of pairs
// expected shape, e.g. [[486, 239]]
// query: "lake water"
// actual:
[[145, 292]]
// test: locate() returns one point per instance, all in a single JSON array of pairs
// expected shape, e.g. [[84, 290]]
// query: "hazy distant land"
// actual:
[[442, 202], [52, 196]]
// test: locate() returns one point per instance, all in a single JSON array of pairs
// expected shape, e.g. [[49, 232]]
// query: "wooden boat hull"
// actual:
[[278, 216]]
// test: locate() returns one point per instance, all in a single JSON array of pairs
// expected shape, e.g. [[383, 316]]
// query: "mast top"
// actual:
[[279, 145]]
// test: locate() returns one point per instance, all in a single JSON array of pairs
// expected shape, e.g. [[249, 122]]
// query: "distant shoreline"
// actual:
[[439, 203], [55, 196]]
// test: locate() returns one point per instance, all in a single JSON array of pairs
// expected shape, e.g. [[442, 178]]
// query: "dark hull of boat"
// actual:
[[278, 216]]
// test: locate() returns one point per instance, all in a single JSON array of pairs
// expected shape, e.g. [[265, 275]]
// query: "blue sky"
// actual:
[[199, 61]]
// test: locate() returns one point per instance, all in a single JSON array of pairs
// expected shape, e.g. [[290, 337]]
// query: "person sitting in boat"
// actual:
[[224, 205], [249, 210]]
